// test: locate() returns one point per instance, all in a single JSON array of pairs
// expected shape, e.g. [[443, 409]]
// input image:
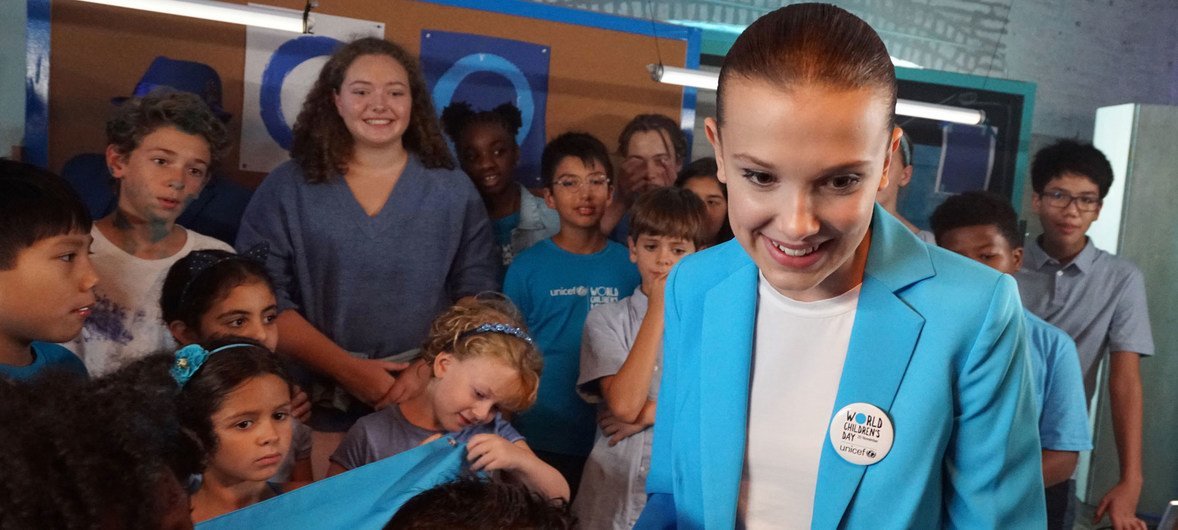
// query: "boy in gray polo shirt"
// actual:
[[1097, 298]]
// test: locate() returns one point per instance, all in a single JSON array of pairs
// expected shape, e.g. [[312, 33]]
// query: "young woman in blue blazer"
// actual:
[[827, 369]]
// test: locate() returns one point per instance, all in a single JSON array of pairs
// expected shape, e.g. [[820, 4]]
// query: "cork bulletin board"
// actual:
[[597, 78]]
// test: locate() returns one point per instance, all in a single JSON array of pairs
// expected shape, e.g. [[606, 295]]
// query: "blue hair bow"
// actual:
[[190, 358], [503, 329]]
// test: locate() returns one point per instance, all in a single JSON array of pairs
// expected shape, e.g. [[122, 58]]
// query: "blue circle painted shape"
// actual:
[[285, 59], [860, 418], [488, 62]]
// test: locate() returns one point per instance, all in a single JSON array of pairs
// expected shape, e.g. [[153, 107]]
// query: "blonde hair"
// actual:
[[454, 332]]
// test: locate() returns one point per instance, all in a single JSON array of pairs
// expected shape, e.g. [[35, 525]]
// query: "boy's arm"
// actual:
[[993, 465], [1058, 466], [1124, 385], [660, 511], [626, 392]]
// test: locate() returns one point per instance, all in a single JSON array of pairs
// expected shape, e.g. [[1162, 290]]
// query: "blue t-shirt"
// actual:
[[503, 228], [555, 289], [46, 356], [1059, 387]]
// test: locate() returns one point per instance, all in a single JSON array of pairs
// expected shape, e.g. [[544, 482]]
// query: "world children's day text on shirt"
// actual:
[[597, 295]]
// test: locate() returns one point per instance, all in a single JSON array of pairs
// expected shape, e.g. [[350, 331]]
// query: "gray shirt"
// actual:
[[386, 432], [613, 485], [1098, 299]]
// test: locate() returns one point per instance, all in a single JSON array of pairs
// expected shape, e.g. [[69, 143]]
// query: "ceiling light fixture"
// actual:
[[247, 15], [904, 107]]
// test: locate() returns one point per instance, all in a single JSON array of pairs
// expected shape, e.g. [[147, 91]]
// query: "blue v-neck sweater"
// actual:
[[373, 283]]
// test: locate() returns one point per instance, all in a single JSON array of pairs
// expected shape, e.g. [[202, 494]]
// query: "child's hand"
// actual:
[[300, 404], [655, 298], [491, 452], [618, 430]]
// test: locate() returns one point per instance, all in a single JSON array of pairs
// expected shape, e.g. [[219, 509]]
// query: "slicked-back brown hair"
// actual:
[[322, 144], [810, 44]]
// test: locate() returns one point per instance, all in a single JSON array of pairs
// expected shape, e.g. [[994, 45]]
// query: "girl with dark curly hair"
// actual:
[[371, 231], [488, 152]]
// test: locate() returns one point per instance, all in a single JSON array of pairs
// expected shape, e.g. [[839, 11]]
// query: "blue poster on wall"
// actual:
[[487, 72]]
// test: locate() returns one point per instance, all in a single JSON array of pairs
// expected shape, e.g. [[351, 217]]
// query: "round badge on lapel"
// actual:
[[861, 433]]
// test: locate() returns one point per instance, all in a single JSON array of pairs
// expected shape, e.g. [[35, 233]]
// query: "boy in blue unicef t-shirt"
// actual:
[[555, 283]]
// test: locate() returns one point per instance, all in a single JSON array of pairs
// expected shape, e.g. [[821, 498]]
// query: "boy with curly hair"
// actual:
[[160, 150]]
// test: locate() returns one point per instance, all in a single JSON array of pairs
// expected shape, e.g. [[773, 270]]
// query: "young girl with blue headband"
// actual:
[[483, 364], [235, 399]]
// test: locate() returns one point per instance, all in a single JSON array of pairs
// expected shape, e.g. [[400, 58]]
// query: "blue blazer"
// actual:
[[937, 343]]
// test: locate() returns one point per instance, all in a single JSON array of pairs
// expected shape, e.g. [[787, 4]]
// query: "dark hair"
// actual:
[[36, 205], [322, 144], [166, 107], [583, 146], [92, 454], [224, 371], [703, 167], [188, 292], [669, 212], [977, 208], [459, 115], [658, 123], [471, 503], [1070, 156], [706, 168], [810, 43]]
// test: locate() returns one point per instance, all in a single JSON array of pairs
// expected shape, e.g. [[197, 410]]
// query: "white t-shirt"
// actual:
[[797, 363], [126, 324]]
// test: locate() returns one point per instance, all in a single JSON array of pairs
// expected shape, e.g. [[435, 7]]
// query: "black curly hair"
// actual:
[[457, 116], [93, 454], [471, 503], [976, 208]]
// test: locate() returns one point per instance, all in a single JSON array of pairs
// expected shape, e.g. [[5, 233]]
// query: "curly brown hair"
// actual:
[[322, 144], [449, 333], [165, 107]]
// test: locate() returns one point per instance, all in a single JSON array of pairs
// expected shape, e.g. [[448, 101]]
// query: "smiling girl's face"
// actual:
[[803, 165]]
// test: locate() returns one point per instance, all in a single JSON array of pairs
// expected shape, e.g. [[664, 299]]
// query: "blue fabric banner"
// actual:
[[365, 497]]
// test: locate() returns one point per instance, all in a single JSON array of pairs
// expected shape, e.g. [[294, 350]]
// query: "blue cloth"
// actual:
[[46, 356], [372, 284], [555, 289], [938, 343], [1059, 387], [386, 432], [363, 498]]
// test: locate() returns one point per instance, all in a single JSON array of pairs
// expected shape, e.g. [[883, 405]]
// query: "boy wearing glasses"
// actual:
[[1098, 299], [555, 283]]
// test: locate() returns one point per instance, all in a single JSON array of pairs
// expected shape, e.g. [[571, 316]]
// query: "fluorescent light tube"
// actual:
[[673, 75], [257, 16]]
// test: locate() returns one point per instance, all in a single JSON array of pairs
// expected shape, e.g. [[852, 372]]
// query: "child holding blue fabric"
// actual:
[[483, 364], [555, 284], [46, 278]]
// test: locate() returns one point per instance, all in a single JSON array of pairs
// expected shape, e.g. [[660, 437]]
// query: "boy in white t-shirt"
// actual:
[[160, 150], [621, 351]]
